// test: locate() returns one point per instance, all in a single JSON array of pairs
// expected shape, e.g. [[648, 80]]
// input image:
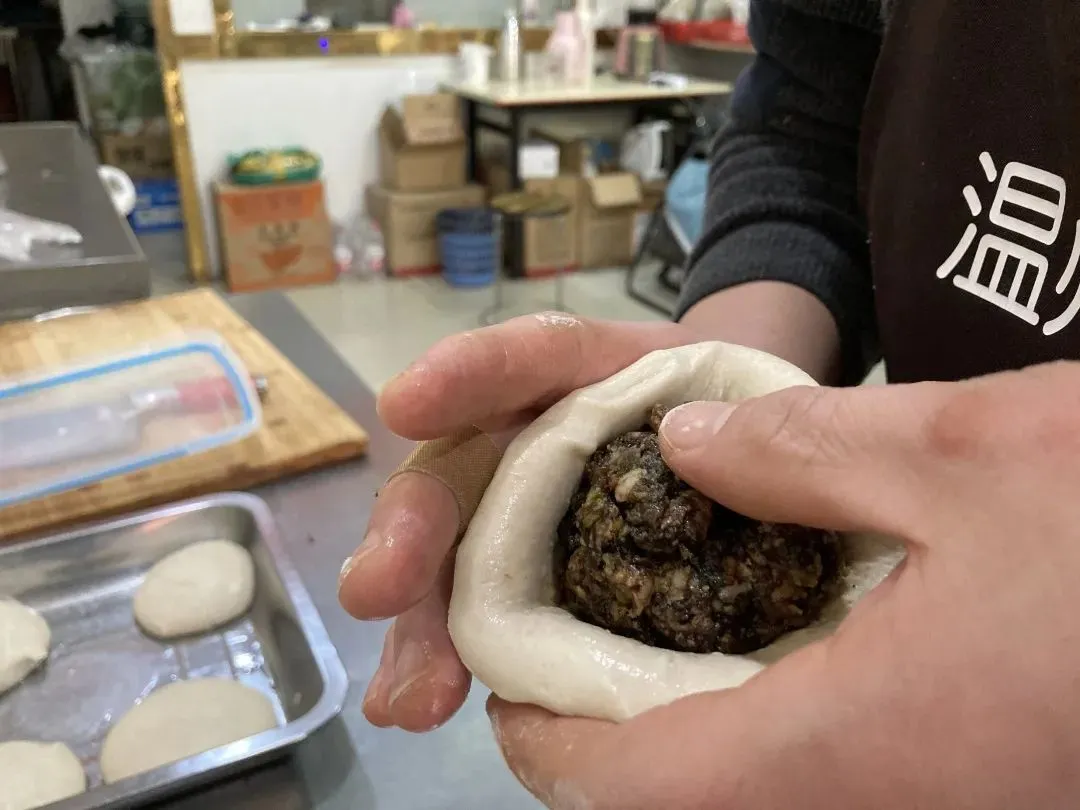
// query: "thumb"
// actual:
[[848, 459], [750, 747]]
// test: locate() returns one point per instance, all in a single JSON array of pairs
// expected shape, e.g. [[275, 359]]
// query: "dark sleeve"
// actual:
[[783, 200]]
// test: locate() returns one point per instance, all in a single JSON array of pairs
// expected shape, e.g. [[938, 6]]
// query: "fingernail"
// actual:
[[414, 368], [411, 666], [372, 541], [690, 426]]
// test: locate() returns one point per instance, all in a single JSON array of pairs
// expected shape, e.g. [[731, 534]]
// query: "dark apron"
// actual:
[[970, 177]]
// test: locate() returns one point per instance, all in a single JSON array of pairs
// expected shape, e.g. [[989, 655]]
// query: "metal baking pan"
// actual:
[[101, 664]]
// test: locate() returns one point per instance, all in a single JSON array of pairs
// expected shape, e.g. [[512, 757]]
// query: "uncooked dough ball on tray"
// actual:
[[24, 642], [196, 589], [181, 720], [34, 774]]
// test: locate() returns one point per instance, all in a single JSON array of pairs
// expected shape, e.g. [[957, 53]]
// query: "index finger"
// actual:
[[490, 376]]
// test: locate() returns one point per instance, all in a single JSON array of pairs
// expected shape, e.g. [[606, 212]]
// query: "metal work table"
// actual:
[[350, 765]]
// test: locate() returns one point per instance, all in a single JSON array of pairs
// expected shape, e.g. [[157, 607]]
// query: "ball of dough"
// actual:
[[36, 774], [503, 619], [196, 589], [24, 642], [182, 720]]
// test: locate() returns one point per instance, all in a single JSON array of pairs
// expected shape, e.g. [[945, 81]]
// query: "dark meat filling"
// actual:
[[644, 555]]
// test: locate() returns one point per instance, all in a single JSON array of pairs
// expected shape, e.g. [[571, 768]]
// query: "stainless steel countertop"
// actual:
[[351, 765]]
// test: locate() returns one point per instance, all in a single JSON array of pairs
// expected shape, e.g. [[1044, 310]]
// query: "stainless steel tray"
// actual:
[[101, 664], [53, 174]]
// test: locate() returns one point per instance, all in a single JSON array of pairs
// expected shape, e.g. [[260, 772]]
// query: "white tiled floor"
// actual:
[[381, 325]]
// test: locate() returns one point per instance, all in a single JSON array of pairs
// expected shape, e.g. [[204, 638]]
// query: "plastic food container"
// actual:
[[704, 31], [74, 426]]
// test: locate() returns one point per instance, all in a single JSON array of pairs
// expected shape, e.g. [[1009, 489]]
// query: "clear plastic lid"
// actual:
[[76, 425]]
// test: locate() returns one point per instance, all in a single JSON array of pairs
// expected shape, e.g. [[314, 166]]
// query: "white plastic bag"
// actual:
[[18, 233]]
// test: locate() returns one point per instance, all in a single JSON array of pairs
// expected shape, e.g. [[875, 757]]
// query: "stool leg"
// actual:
[[491, 315], [500, 268], [560, 290]]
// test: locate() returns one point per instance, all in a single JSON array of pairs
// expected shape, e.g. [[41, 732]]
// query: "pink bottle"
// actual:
[[402, 16], [564, 47]]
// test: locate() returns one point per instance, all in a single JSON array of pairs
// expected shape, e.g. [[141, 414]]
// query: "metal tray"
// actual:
[[52, 173], [101, 664]]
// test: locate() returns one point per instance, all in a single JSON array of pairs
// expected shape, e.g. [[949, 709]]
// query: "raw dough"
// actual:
[[196, 589], [181, 720], [36, 774], [24, 642], [502, 617]]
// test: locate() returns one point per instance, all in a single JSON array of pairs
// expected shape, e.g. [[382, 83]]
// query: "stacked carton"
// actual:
[[275, 235], [422, 166], [607, 200]]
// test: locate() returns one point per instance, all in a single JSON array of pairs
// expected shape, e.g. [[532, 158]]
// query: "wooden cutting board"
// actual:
[[302, 427]]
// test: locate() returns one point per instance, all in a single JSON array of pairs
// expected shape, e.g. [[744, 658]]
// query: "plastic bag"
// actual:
[[371, 260], [123, 83], [359, 249], [684, 202], [18, 233]]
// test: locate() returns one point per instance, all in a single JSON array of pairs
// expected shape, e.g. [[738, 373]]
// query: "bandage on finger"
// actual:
[[465, 462]]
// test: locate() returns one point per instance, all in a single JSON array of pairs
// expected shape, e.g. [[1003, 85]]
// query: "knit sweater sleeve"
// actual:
[[783, 200]]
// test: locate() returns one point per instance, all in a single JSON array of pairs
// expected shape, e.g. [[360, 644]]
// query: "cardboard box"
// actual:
[[407, 221], [551, 243], [538, 160], [157, 207], [652, 193], [275, 236], [609, 206], [431, 119], [583, 150], [422, 146], [143, 157]]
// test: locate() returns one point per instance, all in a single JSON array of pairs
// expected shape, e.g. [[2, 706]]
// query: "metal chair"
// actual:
[[657, 241]]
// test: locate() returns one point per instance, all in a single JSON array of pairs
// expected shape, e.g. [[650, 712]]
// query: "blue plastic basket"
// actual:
[[467, 244]]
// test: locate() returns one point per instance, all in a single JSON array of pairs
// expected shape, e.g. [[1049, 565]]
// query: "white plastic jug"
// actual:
[[644, 149], [475, 62]]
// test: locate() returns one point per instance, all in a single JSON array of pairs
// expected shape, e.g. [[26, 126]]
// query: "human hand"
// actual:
[[497, 379], [953, 685]]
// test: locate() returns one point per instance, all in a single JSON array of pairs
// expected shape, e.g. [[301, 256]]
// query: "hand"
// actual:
[[955, 684], [497, 379]]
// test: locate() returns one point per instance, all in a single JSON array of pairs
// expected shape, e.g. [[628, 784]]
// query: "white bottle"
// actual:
[[510, 49], [587, 32]]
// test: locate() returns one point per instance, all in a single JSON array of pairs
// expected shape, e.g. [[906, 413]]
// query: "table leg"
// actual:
[[471, 146], [560, 289], [516, 137], [516, 232]]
